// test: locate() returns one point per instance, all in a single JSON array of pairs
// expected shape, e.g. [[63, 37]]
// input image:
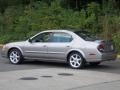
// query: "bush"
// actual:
[[20, 21]]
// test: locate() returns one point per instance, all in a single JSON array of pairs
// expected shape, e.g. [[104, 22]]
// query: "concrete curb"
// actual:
[[1, 45], [118, 56]]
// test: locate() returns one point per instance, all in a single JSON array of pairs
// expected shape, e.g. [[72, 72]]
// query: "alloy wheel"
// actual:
[[15, 56], [76, 60]]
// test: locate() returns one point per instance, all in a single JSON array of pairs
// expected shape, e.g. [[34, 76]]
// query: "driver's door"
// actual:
[[37, 46]]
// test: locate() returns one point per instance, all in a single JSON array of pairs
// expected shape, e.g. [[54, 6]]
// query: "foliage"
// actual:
[[19, 19]]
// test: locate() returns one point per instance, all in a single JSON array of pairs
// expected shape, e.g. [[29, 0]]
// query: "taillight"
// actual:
[[101, 47]]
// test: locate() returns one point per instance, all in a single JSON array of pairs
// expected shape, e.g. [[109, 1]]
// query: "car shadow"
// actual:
[[109, 67], [64, 65], [46, 64]]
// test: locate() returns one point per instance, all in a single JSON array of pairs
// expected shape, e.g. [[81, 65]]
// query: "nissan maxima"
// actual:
[[73, 47]]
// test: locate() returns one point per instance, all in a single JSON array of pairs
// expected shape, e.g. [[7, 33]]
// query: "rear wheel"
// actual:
[[15, 56], [76, 60], [94, 63]]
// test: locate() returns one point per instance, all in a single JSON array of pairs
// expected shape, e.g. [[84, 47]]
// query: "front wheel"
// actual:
[[15, 56], [76, 60]]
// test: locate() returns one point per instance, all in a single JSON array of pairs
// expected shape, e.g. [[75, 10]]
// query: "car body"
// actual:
[[61, 46]]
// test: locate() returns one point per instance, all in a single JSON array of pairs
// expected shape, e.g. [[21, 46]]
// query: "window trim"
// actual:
[[52, 35]]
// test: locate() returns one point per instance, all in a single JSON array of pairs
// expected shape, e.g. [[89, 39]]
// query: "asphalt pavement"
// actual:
[[110, 67], [37, 75]]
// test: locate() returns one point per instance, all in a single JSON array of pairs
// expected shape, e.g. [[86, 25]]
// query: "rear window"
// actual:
[[86, 36]]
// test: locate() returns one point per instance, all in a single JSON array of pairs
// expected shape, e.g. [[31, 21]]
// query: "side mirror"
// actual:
[[30, 40]]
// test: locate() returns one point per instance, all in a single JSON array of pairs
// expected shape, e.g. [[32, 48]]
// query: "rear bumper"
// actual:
[[104, 57], [109, 56]]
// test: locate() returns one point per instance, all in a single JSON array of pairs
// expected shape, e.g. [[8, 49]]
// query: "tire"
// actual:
[[76, 60], [94, 63], [15, 56]]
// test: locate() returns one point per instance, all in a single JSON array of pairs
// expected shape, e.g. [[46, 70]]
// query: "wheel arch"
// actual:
[[78, 51], [14, 48]]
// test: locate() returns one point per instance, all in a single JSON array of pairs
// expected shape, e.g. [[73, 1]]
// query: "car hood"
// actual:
[[16, 43]]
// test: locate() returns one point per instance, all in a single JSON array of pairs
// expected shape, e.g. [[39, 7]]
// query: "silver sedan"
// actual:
[[72, 47]]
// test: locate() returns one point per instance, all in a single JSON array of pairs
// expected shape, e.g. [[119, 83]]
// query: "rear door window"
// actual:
[[61, 37]]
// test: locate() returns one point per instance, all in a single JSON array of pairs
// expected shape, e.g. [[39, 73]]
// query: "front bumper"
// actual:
[[4, 52]]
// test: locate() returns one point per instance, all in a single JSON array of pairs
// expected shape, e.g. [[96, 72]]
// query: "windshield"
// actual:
[[86, 36]]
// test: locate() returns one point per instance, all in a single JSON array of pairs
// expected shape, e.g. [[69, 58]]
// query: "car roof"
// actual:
[[70, 31], [66, 30], [52, 30], [58, 30]]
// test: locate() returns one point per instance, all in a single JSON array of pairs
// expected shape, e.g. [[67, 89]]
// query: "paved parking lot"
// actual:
[[110, 67], [35, 75]]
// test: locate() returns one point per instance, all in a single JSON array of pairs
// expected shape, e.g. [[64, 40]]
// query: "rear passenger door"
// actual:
[[60, 44]]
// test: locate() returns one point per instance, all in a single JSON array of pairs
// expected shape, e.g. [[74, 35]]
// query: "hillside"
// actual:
[[19, 19]]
